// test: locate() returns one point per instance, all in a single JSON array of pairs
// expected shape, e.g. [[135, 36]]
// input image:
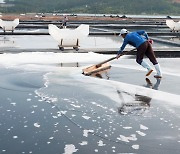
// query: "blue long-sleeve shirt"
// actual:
[[135, 39]]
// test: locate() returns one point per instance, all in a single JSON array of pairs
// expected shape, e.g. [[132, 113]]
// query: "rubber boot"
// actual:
[[148, 67], [158, 70]]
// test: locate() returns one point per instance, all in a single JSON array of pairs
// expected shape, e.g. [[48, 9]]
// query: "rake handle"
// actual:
[[98, 65]]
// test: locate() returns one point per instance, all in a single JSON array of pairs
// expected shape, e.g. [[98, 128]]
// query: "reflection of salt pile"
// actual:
[[7, 43], [68, 37], [174, 26], [9, 25]]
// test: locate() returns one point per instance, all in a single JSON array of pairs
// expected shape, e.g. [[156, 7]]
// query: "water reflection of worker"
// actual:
[[141, 41], [149, 84], [140, 103], [155, 86], [64, 21], [101, 74]]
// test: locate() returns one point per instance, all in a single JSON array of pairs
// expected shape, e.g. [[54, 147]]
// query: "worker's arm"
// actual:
[[119, 53], [125, 42]]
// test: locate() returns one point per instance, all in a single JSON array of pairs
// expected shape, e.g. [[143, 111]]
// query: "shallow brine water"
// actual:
[[46, 108]]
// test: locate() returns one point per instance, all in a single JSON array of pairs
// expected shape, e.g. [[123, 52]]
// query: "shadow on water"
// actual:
[[137, 104]]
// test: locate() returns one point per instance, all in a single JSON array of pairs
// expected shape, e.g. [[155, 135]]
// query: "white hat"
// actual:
[[123, 31]]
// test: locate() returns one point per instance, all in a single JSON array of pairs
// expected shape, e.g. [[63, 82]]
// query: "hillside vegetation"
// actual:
[[169, 7]]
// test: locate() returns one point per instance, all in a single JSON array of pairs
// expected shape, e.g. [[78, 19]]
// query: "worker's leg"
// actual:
[[151, 55], [65, 24], [158, 70], [139, 58]]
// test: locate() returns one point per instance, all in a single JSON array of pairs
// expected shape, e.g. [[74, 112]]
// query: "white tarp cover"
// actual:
[[175, 26], [68, 36], [9, 25]]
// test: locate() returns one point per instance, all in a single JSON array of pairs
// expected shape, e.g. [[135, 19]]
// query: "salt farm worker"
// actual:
[[64, 22], [140, 40]]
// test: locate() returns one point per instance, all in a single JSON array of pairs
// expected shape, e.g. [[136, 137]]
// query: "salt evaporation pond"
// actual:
[[47, 42], [46, 108]]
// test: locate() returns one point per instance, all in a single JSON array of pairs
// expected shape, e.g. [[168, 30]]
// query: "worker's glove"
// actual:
[[150, 41]]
